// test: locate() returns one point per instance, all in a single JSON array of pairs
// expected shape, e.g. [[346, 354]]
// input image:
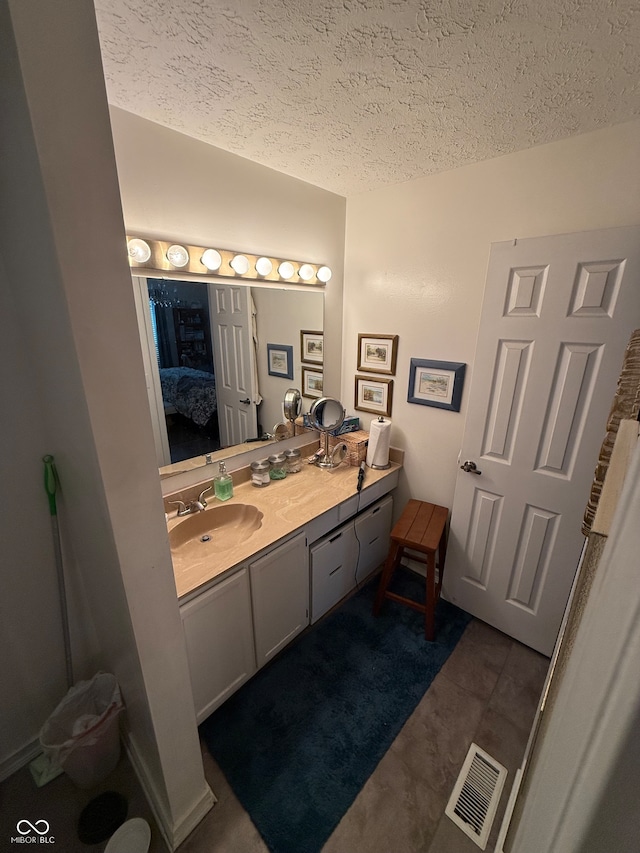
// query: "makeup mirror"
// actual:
[[292, 406], [326, 415]]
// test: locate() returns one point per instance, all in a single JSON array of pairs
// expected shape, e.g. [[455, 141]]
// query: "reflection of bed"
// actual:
[[190, 392]]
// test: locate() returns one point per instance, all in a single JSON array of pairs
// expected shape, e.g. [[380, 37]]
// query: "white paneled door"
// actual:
[[557, 315], [236, 382]]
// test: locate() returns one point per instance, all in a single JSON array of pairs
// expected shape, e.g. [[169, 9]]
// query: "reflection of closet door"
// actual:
[[151, 372], [236, 385]]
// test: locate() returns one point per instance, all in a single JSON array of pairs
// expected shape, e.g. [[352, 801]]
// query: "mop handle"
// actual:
[[51, 484]]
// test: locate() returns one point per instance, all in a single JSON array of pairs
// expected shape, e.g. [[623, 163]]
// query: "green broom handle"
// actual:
[[50, 482]]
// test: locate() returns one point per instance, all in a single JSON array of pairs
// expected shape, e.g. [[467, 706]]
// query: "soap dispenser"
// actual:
[[223, 484]]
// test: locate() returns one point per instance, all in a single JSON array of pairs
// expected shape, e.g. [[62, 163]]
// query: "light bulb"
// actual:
[[324, 274], [139, 250], [177, 256], [263, 266], [286, 269], [306, 272], [211, 259], [240, 264]]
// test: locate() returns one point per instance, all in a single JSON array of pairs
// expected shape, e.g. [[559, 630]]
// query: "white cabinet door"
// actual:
[[372, 532], [333, 563], [219, 637], [280, 595]]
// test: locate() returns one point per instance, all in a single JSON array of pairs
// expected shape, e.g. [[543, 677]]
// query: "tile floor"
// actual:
[[486, 692]]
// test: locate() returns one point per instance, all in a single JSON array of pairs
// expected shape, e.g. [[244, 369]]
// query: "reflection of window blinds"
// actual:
[[154, 326]]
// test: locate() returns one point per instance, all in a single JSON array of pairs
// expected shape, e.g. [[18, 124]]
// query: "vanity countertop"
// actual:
[[286, 506]]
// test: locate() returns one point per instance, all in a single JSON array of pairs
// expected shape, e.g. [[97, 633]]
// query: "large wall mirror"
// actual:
[[219, 358]]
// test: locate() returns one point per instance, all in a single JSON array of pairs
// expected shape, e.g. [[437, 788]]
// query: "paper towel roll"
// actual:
[[378, 447]]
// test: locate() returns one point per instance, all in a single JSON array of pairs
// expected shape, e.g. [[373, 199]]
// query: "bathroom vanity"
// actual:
[[258, 588]]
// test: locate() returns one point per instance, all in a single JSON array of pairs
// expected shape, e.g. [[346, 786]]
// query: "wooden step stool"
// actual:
[[420, 528]]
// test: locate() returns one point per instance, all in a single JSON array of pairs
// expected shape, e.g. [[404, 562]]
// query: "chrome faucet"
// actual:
[[201, 502], [182, 508], [193, 506]]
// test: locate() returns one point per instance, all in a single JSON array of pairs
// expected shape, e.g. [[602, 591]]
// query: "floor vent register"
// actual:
[[475, 797]]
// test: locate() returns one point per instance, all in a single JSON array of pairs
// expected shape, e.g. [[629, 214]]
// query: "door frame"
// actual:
[[585, 754], [151, 371]]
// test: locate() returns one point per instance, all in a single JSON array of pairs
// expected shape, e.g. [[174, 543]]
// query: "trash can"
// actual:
[[82, 734]]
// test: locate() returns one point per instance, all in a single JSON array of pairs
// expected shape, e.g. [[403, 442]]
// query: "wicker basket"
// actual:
[[356, 445]]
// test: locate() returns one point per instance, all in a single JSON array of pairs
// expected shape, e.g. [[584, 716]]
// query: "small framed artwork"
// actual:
[[436, 383], [312, 380], [377, 353], [311, 347], [280, 360], [374, 395]]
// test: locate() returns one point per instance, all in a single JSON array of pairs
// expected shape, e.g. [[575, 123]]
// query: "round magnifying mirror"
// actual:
[[292, 404], [327, 414]]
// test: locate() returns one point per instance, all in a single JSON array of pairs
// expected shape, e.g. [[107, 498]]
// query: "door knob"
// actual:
[[246, 401], [470, 467]]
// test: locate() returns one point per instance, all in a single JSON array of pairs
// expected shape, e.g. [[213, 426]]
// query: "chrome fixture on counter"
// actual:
[[194, 506]]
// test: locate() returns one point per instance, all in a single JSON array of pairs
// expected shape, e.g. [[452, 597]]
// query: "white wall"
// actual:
[[32, 664], [416, 259], [85, 403], [175, 186]]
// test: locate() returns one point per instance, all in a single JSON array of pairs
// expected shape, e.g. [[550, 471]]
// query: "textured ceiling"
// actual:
[[357, 94]]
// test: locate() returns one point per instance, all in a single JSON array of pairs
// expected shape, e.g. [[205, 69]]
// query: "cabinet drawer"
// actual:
[[322, 524], [377, 490], [348, 508], [332, 570], [373, 529]]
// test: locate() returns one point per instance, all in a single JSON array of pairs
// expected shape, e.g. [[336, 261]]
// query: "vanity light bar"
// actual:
[[165, 256]]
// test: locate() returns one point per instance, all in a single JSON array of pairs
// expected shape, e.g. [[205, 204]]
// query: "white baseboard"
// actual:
[[173, 833], [16, 761], [199, 809]]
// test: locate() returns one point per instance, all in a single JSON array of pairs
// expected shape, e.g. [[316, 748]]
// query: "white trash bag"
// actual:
[[82, 734]]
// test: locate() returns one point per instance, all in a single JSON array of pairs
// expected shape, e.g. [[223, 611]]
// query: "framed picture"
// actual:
[[312, 380], [436, 383], [280, 360], [311, 347], [374, 395], [377, 353]]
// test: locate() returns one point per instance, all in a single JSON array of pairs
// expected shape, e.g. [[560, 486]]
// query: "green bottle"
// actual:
[[223, 484]]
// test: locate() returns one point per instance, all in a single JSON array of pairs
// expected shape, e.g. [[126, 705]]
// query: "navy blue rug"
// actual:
[[298, 741]]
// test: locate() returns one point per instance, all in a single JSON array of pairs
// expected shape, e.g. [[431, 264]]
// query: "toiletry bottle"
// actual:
[[223, 484]]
